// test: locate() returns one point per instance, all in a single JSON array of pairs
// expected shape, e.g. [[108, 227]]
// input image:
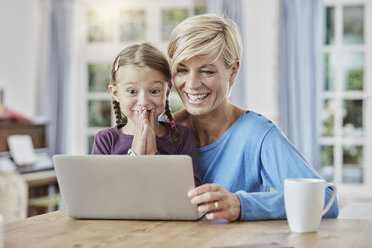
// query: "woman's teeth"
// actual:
[[196, 98]]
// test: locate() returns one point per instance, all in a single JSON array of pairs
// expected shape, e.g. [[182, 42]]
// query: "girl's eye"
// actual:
[[132, 92], [154, 92]]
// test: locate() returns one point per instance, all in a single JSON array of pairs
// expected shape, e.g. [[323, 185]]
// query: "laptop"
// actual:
[[144, 187]]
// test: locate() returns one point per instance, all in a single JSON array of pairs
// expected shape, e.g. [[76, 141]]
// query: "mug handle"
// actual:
[[333, 197]]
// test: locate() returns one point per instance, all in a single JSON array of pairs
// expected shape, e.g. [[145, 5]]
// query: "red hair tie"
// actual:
[[172, 124]]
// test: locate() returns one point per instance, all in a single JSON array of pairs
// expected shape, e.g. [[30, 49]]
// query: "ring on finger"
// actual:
[[216, 205]]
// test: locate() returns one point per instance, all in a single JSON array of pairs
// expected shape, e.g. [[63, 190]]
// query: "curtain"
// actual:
[[58, 73], [232, 9], [300, 66]]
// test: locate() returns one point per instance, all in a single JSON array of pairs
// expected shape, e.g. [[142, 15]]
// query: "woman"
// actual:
[[244, 157]]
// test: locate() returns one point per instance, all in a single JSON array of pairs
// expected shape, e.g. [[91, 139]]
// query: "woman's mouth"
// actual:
[[197, 98]]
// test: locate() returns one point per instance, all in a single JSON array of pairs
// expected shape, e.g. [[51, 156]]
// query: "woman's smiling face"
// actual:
[[203, 84]]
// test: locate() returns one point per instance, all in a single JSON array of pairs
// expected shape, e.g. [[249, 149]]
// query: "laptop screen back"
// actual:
[[152, 187]]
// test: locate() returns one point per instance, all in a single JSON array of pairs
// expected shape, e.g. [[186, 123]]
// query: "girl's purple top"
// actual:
[[112, 141]]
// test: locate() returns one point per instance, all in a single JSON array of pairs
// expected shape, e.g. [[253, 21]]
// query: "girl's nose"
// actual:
[[143, 100]]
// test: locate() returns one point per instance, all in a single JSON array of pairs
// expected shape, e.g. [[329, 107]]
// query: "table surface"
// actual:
[[56, 229]]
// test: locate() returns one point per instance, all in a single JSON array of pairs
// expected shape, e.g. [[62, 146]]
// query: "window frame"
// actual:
[[346, 189]]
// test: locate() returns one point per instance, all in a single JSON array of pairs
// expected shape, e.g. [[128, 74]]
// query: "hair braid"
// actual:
[[117, 111], [175, 133]]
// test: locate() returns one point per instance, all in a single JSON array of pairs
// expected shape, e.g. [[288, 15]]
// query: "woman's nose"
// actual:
[[194, 81]]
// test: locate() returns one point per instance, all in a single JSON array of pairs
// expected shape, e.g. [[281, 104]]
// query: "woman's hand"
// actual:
[[210, 197], [144, 140]]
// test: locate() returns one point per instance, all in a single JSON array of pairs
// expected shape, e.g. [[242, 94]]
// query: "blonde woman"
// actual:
[[244, 158]]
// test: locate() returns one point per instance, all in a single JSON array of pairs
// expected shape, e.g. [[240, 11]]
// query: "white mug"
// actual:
[[304, 203]]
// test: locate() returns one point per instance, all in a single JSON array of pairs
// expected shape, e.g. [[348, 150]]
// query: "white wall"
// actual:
[[19, 34], [261, 57]]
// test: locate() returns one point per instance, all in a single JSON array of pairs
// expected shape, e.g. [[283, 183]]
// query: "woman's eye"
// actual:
[[208, 72], [181, 70]]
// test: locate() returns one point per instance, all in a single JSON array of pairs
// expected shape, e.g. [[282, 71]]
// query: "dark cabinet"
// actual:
[[36, 131]]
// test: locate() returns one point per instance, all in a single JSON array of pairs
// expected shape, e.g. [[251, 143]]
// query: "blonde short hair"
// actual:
[[207, 34]]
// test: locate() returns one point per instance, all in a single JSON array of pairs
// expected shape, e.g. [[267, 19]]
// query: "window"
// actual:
[[104, 28], [345, 137]]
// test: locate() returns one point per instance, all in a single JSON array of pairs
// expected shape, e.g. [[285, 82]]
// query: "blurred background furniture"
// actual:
[[43, 192], [36, 131], [357, 210], [13, 196], [39, 177]]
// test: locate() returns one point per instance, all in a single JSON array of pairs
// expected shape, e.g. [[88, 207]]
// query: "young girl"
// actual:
[[140, 85]]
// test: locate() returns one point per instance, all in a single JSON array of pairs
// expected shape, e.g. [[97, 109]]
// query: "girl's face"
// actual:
[[203, 84], [139, 87]]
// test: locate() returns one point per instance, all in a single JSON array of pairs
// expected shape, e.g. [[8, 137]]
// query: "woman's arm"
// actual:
[[279, 160]]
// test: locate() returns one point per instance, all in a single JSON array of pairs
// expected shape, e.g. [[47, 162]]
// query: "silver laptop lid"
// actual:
[[150, 187]]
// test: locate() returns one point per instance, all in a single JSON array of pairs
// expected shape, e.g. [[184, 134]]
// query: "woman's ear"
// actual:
[[234, 71], [114, 92]]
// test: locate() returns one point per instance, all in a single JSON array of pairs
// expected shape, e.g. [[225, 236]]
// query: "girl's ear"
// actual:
[[114, 92]]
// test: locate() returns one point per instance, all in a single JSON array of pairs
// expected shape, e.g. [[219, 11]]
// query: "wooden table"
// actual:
[[56, 229]]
